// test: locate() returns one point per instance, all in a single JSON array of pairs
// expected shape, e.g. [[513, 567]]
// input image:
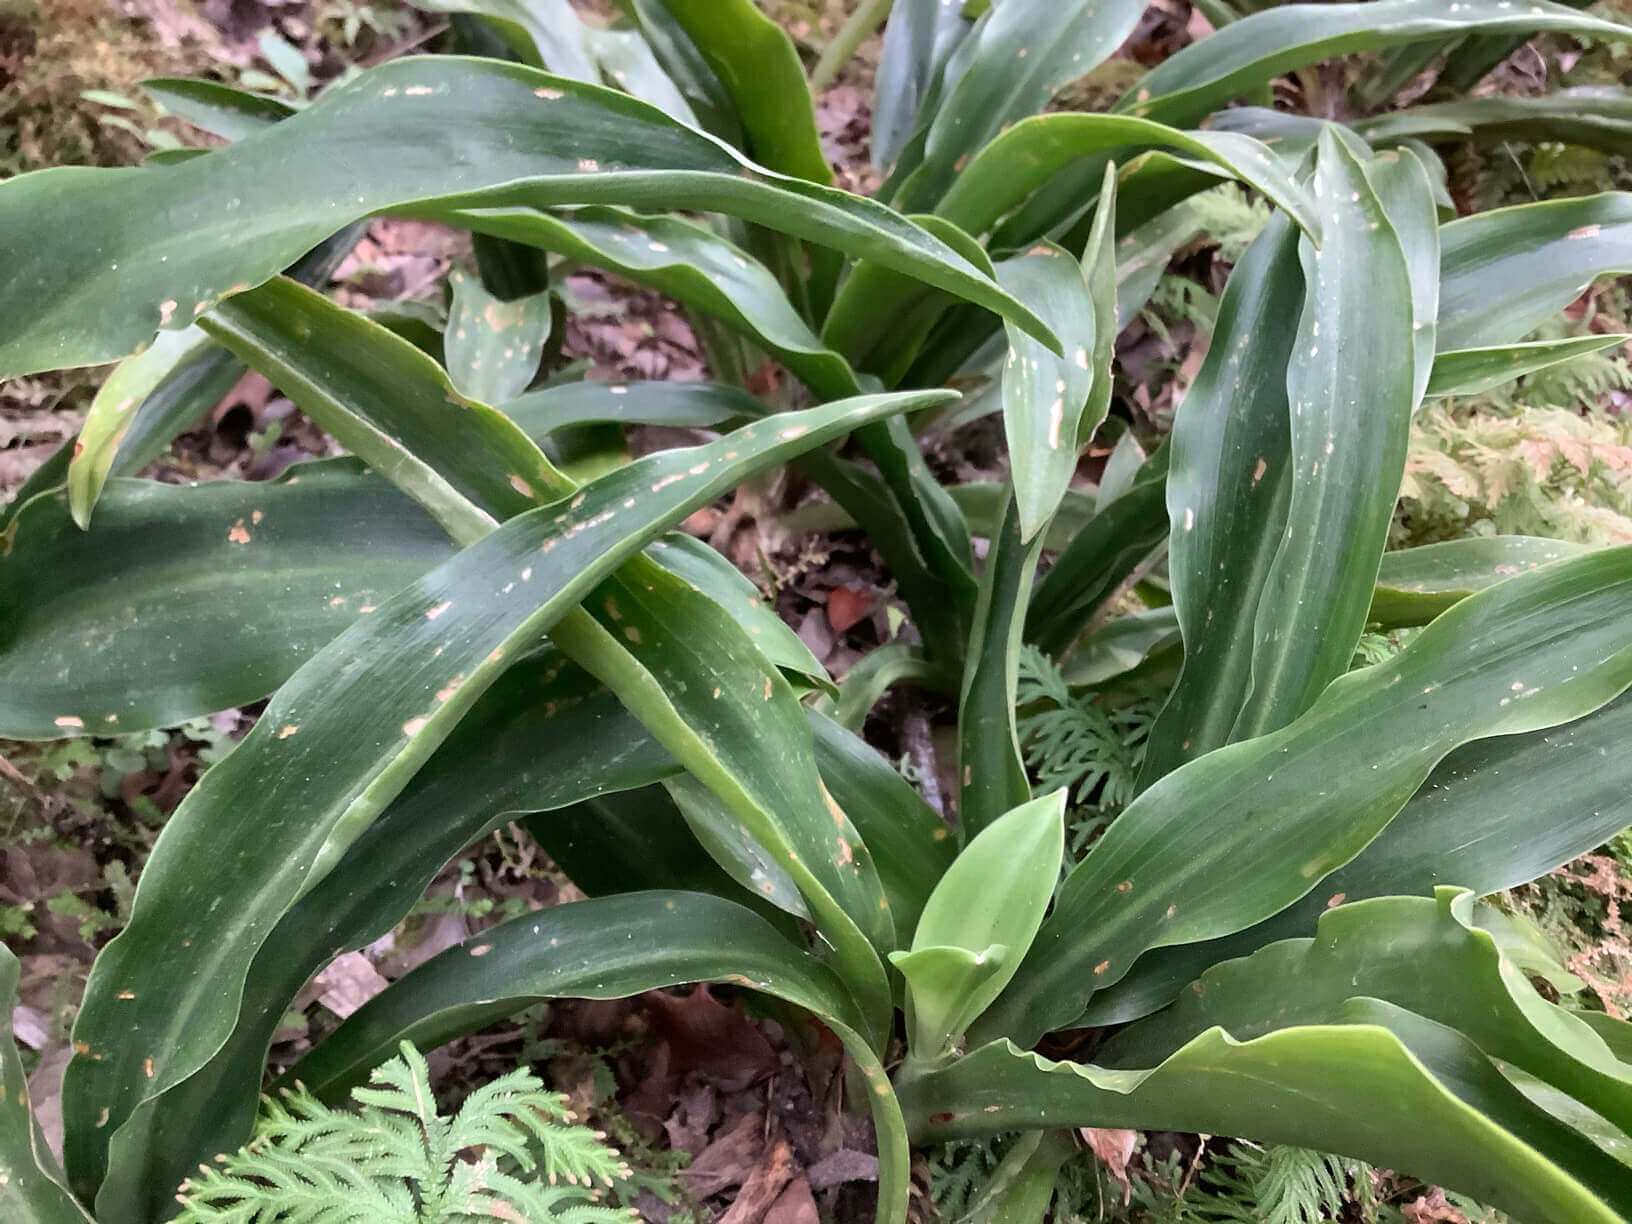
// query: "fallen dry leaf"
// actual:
[[846, 606], [1114, 1148], [764, 1186]]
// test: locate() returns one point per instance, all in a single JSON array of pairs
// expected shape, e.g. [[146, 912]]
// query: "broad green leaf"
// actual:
[[980, 920], [1104, 555], [215, 108], [698, 565], [1350, 386], [113, 409], [695, 405], [1493, 814], [1505, 271], [611, 948], [189, 235], [493, 346], [545, 735], [756, 63], [1022, 159], [1226, 495], [1015, 59], [910, 844], [1426, 955], [918, 38], [1122, 645], [166, 389], [702, 688], [631, 841], [1415, 585], [388, 403], [180, 601], [880, 319], [1406, 193], [692, 265], [1044, 396], [1475, 371], [31, 1184], [341, 738], [1383, 1085], [1206, 75], [1597, 116], [991, 768], [1290, 807]]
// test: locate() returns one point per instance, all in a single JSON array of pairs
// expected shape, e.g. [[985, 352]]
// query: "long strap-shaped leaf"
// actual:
[[1424, 954], [383, 399], [606, 949], [1475, 371], [341, 739], [690, 264], [31, 1184], [543, 736], [1208, 74], [1226, 495], [1494, 814], [1014, 165], [1283, 810], [917, 40], [1382, 1084], [1349, 383], [440, 133], [1503, 272], [180, 601], [703, 690], [1597, 116], [1018, 55]]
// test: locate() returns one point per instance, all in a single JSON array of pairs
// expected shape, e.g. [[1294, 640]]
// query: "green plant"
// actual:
[[511, 1152], [456, 628]]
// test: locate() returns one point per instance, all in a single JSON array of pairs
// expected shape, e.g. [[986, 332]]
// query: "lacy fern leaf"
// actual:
[[1072, 741], [512, 1152]]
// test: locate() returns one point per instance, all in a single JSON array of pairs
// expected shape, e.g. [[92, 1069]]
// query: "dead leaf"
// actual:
[[1432, 1208], [1114, 1147], [728, 1160], [348, 983], [764, 1186], [846, 606], [794, 1205], [711, 1040]]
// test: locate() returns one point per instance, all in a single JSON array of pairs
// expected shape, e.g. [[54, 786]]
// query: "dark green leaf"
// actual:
[[1290, 807], [442, 133]]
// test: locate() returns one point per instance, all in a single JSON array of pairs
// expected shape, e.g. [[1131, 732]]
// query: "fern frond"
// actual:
[[396, 1160], [1093, 752]]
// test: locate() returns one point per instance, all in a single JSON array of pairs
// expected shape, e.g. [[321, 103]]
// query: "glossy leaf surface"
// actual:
[[1540, 649], [448, 635], [442, 134]]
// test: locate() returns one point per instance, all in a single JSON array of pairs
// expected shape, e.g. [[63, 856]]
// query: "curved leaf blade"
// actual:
[[444, 134], [180, 601], [389, 689], [610, 948], [1350, 424], [1384, 1085], [1206, 75], [1540, 649], [1006, 172]]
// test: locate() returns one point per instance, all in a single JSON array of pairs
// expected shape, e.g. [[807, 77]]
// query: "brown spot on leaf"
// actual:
[[68, 720], [147, 1067], [433, 613], [1101, 967], [238, 533], [1336, 899], [941, 1119], [287, 730], [481, 949]]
